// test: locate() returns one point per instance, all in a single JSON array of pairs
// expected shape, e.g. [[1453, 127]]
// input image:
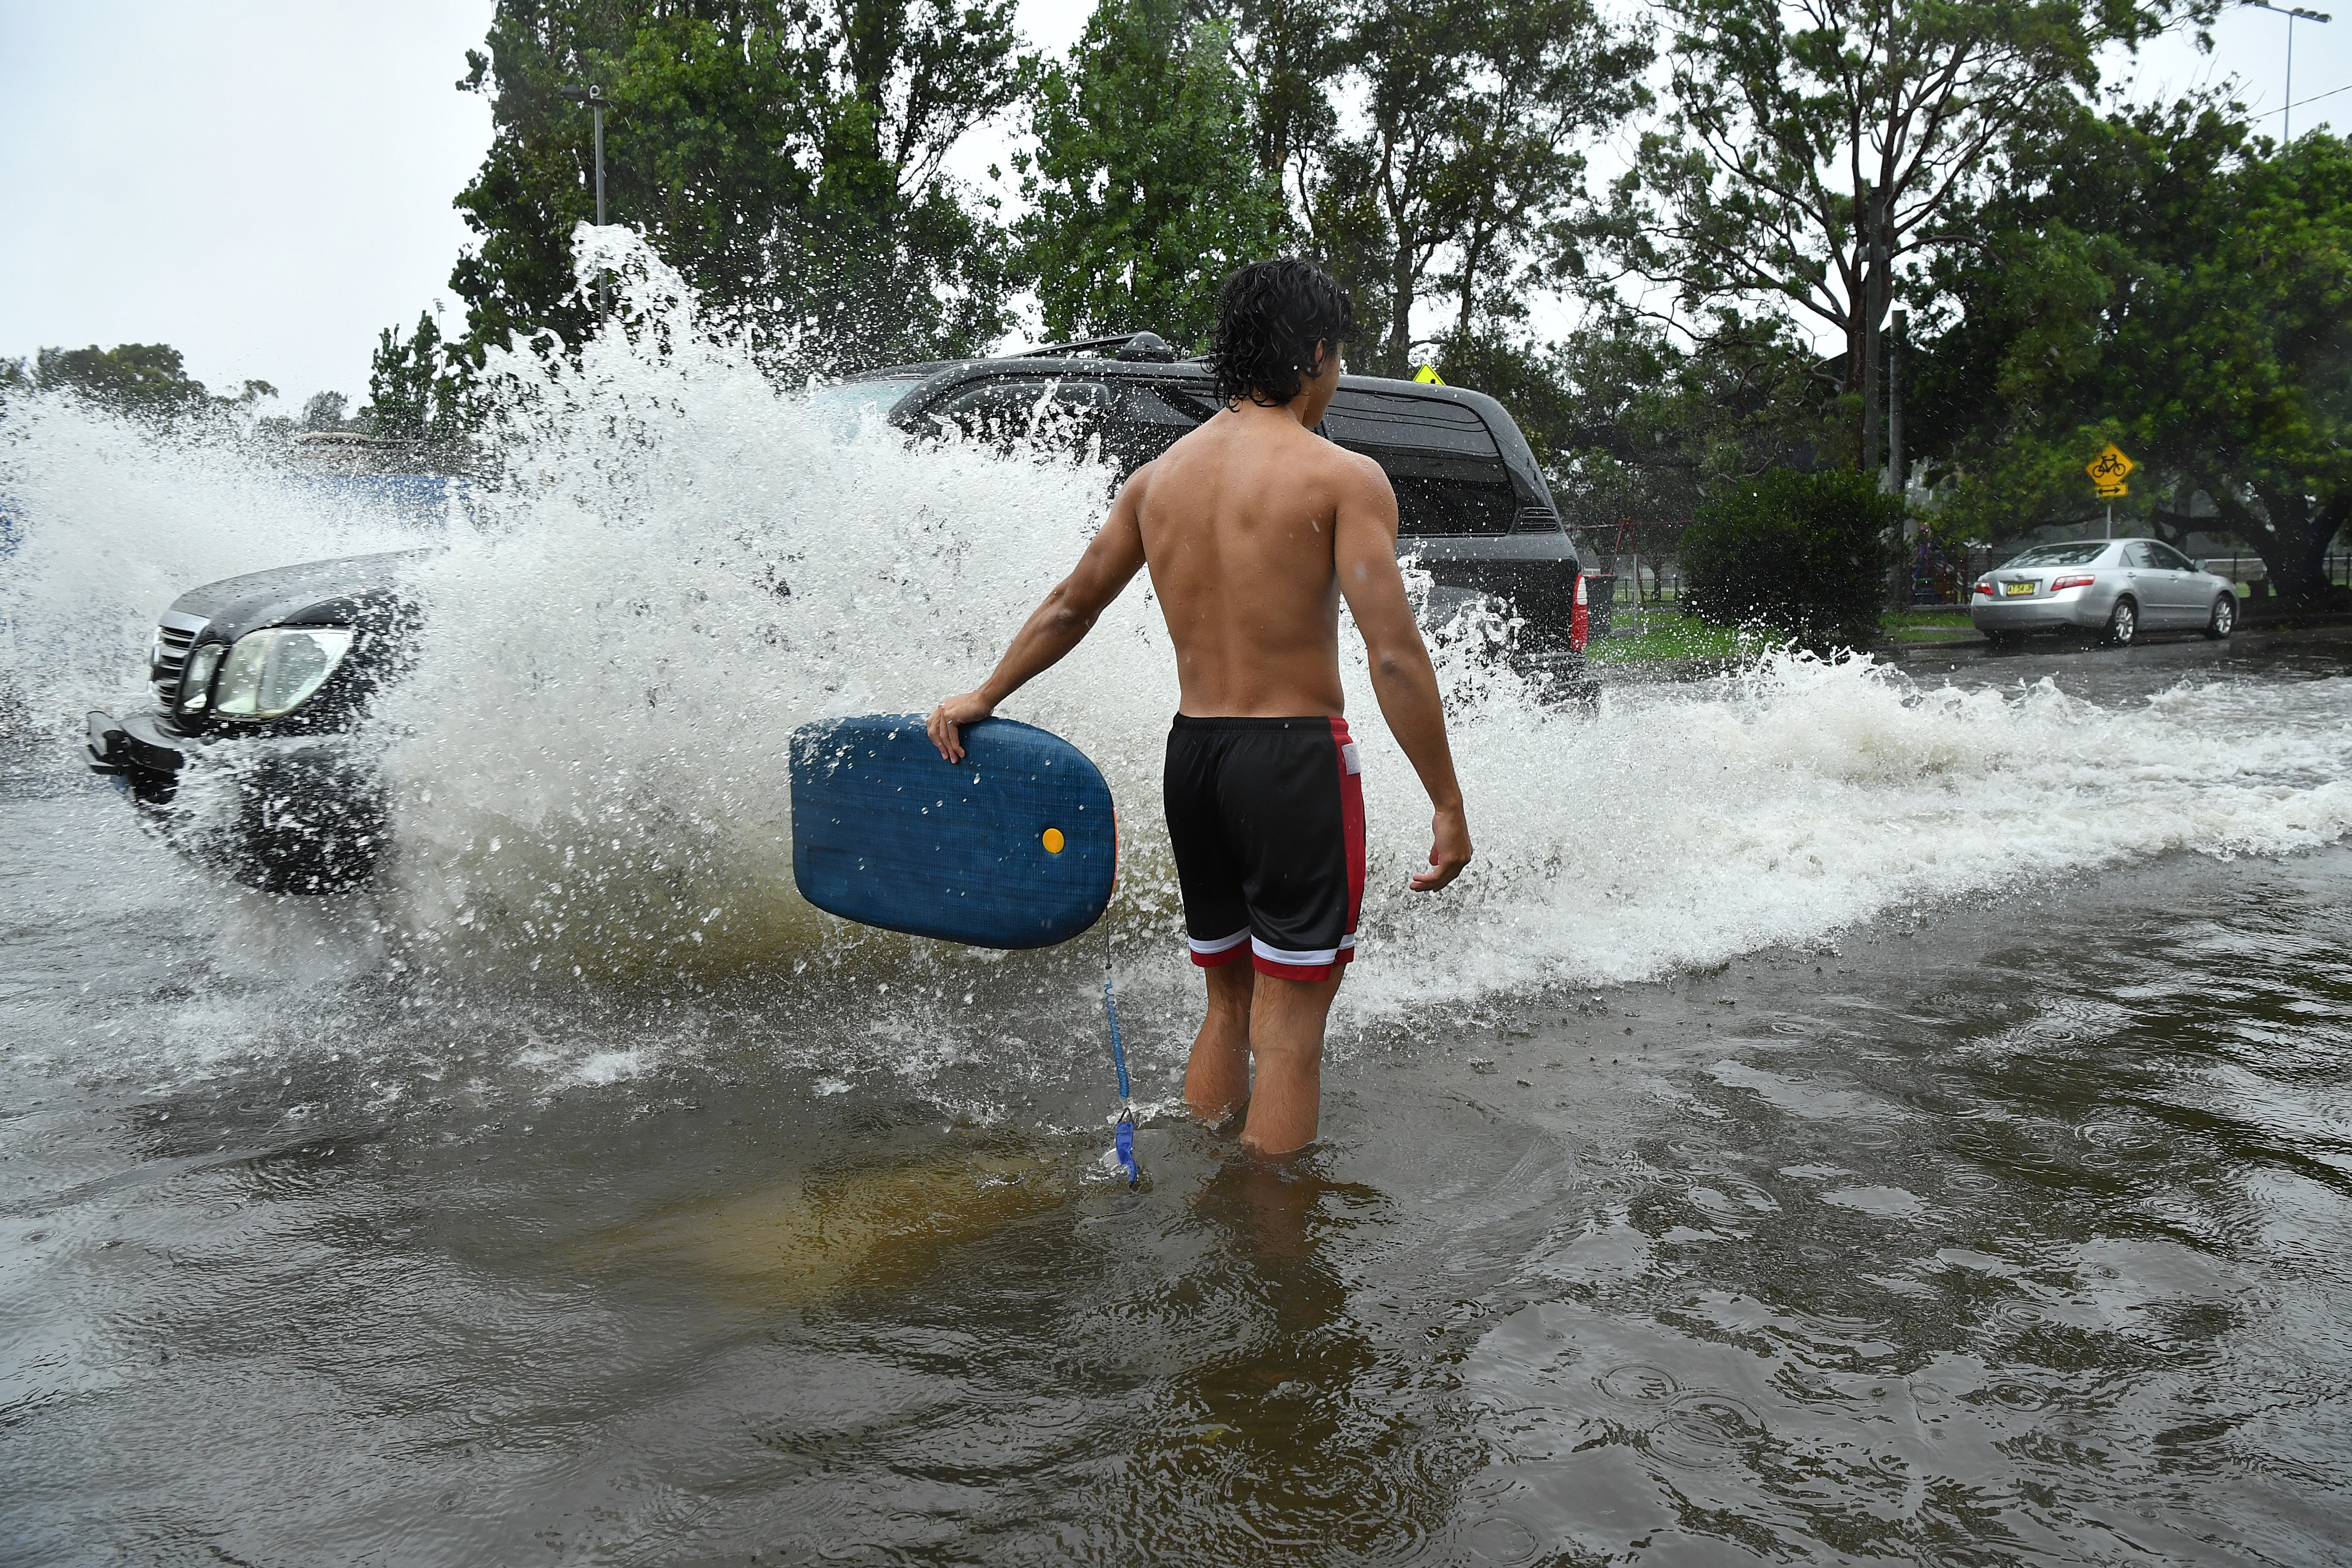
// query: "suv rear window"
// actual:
[[1440, 458], [1054, 410]]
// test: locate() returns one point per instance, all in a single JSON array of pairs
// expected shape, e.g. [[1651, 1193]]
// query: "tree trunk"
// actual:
[[1400, 344], [2294, 548], [1473, 253]]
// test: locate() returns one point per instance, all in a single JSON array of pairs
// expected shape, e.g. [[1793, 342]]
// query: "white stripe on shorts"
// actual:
[[1303, 957], [1222, 944]]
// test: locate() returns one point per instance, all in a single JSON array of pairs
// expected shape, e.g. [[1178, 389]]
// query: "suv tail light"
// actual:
[[1579, 619], [2059, 585], [1985, 587]]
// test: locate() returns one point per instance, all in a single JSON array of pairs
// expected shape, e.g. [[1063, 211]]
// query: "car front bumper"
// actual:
[[292, 815]]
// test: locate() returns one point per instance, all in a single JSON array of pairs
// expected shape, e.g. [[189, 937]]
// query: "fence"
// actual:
[[2252, 576]]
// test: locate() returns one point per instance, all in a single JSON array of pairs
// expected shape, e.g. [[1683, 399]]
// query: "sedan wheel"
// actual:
[[2123, 624], [2225, 618]]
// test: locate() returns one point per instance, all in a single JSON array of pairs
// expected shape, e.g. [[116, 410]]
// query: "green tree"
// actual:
[[418, 386], [139, 377], [1288, 52], [1753, 192], [1475, 107], [1806, 553], [324, 411], [1632, 428], [1144, 186], [2161, 281], [786, 158]]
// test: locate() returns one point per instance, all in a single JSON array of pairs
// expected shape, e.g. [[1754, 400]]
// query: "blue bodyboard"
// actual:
[[886, 833]]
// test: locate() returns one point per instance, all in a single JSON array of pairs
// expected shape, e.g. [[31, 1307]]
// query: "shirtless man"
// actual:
[[1253, 528]]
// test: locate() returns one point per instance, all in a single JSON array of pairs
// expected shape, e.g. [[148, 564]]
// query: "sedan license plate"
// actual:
[[2016, 590]]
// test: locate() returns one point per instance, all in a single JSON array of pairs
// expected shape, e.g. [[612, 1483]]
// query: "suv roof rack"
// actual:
[[1146, 346]]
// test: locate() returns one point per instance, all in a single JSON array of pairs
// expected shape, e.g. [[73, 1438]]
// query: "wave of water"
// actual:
[[679, 564]]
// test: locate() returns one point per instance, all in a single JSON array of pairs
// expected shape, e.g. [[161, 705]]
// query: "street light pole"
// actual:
[[593, 97], [2286, 114]]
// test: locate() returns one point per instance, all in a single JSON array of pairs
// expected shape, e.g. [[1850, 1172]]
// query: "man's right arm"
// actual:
[[1054, 627], [1364, 551]]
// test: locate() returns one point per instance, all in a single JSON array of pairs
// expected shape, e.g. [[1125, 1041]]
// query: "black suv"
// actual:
[[280, 663]]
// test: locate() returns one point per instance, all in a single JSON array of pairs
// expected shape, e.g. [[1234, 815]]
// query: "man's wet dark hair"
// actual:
[[1270, 316]]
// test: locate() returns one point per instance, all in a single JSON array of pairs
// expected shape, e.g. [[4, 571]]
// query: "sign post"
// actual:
[[2108, 471]]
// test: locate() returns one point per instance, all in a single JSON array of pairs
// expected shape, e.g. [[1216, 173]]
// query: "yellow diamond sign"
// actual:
[[2109, 469]]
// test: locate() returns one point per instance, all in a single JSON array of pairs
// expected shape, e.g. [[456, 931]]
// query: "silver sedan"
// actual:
[[2117, 588]]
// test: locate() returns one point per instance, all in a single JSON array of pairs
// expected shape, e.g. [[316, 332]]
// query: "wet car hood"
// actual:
[[316, 593]]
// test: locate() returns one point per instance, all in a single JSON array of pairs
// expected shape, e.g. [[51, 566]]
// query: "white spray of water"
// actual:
[[681, 565], [115, 519]]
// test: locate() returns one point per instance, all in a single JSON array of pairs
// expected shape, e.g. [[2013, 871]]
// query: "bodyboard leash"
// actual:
[[1123, 1137]]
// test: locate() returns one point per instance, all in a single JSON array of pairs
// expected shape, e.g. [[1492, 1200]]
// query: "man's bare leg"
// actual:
[[1285, 1037], [1216, 1080]]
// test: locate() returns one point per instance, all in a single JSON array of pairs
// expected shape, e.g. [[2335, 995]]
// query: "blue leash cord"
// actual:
[[1125, 1137]]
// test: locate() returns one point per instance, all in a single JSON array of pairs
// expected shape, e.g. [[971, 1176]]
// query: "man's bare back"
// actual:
[[1240, 522], [1254, 529]]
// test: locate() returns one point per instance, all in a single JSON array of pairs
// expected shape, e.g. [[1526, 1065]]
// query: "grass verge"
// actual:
[[1928, 626], [1674, 637], [1688, 636]]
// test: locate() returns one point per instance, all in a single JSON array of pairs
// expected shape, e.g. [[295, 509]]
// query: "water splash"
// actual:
[[679, 564]]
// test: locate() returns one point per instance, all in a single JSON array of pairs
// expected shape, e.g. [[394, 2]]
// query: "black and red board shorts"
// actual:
[[1267, 820]]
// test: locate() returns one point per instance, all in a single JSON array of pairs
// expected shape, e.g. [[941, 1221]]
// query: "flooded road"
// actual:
[[2007, 1228], [1849, 1111]]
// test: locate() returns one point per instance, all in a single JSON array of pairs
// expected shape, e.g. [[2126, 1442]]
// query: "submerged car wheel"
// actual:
[[2225, 618], [2000, 639], [2123, 624]]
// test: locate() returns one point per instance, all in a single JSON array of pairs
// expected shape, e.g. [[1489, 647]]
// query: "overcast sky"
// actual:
[[265, 184]]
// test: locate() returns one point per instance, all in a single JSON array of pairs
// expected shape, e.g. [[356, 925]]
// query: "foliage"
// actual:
[[1469, 158], [324, 411], [1783, 115], [1288, 52], [147, 379], [1144, 187], [2158, 280], [1632, 428], [1806, 553], [785, 157], [418, 386]]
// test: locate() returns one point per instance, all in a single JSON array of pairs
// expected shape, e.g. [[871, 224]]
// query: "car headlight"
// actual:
[[196, 677], [271, 673]]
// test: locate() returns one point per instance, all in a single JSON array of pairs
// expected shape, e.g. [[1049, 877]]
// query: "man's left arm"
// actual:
[[1056, 626]]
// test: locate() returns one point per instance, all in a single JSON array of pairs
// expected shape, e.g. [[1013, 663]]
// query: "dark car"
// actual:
[[1473, 509], [280, 663]]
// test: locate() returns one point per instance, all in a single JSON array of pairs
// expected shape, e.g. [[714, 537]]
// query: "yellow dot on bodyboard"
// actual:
[[1053, 841]]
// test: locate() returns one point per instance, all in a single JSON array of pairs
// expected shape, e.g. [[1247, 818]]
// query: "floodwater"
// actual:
[[1849, 1111]]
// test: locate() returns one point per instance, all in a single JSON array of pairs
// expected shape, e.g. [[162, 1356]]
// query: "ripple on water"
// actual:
[[1501, 1540], [1637, 1383], [1706, 1428]]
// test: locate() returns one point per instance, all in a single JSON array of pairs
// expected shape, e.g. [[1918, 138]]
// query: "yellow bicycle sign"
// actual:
[[2108, 471]]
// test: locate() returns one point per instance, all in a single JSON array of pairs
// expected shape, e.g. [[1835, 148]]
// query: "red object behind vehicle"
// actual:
[[1579, 619], [2062, 584]]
